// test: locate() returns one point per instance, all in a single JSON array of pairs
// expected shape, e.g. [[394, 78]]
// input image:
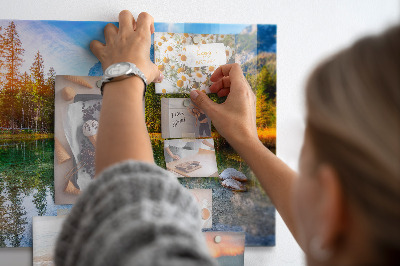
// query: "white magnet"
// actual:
[[186, 102], [217, 239], [196, 39]]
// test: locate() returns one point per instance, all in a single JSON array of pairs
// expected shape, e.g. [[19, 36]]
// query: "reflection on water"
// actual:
[[26, 188]]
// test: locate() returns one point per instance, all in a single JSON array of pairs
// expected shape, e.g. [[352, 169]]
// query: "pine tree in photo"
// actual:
[[26, 101], [12, 61], [38, 89], [51, 78], [48, 105], [1, 50], [1, 68]]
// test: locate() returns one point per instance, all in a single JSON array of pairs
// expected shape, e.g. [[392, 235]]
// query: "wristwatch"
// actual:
[[120, 71]]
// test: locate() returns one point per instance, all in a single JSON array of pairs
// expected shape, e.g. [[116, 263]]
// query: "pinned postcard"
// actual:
[[191, 157], [180, 118], [226, 247], [188, 60], [77, 112], [45, 232]]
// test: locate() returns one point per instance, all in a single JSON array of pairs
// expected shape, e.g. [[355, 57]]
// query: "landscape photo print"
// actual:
[[43, 49]]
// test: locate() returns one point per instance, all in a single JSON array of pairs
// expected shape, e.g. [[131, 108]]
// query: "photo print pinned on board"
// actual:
[[188, 60], [45, 233], [180, 118], [191, 157], [77, 111], [226, 247]]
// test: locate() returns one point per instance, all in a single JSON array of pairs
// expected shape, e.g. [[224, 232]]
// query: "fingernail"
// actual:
[[194, 94], [160, 78]]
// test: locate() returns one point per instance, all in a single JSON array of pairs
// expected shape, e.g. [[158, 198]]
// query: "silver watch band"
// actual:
[[134, 71]]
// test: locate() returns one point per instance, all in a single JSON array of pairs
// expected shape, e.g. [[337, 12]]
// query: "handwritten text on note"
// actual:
[[205, 55]]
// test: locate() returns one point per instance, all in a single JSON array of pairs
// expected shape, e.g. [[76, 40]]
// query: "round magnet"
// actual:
[[196, 39], [217, 239], [186, 103], [98, 83]]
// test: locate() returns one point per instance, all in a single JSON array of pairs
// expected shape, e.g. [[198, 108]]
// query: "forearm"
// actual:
[[169, 151], [122, 131], [275, 177]]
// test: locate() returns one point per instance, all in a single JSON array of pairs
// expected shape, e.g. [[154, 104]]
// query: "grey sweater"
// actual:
[[134, 213]]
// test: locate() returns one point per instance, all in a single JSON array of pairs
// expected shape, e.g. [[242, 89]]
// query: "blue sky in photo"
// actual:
[[64, 45]]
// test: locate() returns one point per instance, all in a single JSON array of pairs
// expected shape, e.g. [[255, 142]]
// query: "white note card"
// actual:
[[210, 54]]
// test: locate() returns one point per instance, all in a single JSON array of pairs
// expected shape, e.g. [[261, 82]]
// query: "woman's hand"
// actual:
[[129, 43], [235, 119]]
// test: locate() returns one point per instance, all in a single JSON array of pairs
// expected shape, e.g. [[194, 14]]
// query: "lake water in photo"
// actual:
[[26, 188]]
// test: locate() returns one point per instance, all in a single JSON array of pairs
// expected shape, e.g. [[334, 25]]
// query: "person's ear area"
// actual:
[[332, 207]]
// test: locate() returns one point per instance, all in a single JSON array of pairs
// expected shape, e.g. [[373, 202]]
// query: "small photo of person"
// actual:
[[180, 118], [202, 121]]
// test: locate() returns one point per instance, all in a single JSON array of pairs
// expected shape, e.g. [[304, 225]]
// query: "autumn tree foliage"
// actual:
[[266, 92], [12, 61], [26, 99], [12, 53]]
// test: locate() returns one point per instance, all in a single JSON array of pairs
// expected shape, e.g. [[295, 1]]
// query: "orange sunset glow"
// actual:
[[232, 243]]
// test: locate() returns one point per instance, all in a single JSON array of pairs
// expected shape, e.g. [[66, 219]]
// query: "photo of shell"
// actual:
[[188, 60]]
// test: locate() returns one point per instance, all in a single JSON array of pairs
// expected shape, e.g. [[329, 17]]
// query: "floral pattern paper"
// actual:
[[172, 57]]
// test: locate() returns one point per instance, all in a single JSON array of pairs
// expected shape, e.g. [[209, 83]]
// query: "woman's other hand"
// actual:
[[235, 119], [129, 43]]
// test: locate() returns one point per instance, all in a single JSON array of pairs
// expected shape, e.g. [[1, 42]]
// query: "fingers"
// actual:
[[126, 22], [229, 79], [159, 78], [232, 70], [225, 82], [158, 75], [201, 100], [97, 48], [110, 31], [223, 92], [145, 23]]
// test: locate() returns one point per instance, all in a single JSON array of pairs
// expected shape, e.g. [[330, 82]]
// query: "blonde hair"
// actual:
[[353, 120]]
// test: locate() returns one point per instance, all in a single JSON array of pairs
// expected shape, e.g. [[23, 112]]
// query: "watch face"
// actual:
[[118, 69]]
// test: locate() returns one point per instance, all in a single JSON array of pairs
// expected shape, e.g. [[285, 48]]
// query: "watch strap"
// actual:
[[135, 71]]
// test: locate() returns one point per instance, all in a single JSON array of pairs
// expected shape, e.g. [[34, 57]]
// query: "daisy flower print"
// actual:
[[188, 60]]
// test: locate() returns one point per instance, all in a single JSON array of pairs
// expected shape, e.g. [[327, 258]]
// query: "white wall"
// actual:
[[307, 32]]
